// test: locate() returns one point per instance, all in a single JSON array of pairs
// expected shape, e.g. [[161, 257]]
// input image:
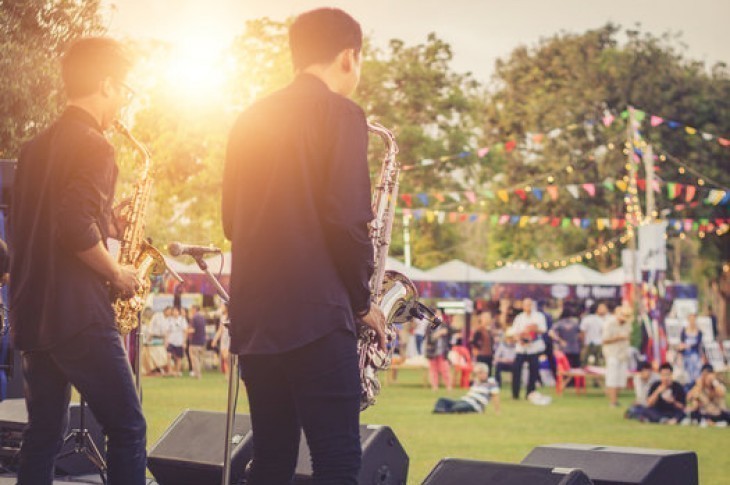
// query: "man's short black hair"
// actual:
[[319, 35], [88, 61], [666, 365], [707, 368], [643, 365]]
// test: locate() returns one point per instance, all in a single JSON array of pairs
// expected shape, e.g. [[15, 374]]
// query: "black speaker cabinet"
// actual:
[[451, 471], [14, 419], [613, 465], [191, 452], [384, 461]]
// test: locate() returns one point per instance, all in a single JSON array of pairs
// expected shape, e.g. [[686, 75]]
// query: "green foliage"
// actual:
[[33, 34]]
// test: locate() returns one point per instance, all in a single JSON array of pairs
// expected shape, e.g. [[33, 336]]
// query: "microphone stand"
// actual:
[[232, 377]]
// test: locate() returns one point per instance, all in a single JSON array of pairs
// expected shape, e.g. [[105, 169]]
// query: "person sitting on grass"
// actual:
[[643, 380], [666, 400], [483, 390], [707, 400]]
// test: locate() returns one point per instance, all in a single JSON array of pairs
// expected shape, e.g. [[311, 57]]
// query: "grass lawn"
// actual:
[[406, 407]]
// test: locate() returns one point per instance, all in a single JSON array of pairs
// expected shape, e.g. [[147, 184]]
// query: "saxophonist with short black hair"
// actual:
[[296, 206], [60, 310]]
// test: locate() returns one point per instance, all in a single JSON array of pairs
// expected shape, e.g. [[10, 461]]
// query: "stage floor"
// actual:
[[9, 479]]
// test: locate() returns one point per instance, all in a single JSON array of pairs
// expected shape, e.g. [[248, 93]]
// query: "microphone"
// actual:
[[179, 249]]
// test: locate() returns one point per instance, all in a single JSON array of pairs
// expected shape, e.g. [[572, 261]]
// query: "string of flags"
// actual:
[[674, 191], [601, 223], [656, 120]]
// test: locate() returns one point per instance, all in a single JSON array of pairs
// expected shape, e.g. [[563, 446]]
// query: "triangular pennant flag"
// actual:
[[482, 152], [418, 214], [688, 224], [715, 196], [427, 161], [537, 193], [609, 184], [601, 224], [464, 154], [510, 145], [423, 198], [407, 213], [590, 189], [503, 195], [537, 138], [695, 226], [639, 115], [585, 223], [641, 183], [690, 192], [514, 220], [473, 217], [455, 196], [503, 219], [573, 190], [498, 146], [614, 223], [679, 189], [408, 199], [724, 142], [430, 216], [624, 114], [555, 222], [488, 194], [453, 216], [441, 217], [463, 217], [521, 193], [671, 190], [544, 220], [707, 136], [690, 130], [524, 220], [439, 196], [565, 222], [470, 196], [674, 124], [621, 223], [577, 221], [656, 120], [554, 133], [534, 219], [622, 185], [656, 186], [608, 119], [552, 190]]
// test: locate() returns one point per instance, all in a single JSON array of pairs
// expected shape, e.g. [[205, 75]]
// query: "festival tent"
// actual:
[[577, 274], [414, 274], [615, 277], [457, 271], [518, 272]]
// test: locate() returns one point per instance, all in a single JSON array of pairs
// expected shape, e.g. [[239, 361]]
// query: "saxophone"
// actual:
[[392, 291], [135, 250]]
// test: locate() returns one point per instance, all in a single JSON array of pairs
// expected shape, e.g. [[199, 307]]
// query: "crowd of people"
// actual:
[[177, 335], [526, 341]]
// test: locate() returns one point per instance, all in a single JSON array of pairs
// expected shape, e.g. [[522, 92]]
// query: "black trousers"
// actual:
[[533, 363], [502, 367], [315, 388], [486, 359], [93, 361]]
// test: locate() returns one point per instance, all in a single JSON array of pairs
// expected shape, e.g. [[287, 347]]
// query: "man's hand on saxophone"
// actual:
[[125, 281], [375, 319]]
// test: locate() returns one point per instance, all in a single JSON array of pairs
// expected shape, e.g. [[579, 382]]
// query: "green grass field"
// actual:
[[406, 407]]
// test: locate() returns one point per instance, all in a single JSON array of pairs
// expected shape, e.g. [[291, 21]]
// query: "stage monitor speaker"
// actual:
[[14, 419], [451, 471], [613, 465], [191, 451], [384, 461]]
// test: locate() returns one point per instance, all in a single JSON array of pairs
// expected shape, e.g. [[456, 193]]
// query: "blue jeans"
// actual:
[[315, 388], [95, 363]]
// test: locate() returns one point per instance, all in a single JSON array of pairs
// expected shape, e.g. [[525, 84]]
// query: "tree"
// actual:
[[33, 34]]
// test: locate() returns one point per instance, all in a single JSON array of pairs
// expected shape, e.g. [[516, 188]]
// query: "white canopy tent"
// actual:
[[518, 272], [616, 277], [414, 274], [459, 271], [577, 274]]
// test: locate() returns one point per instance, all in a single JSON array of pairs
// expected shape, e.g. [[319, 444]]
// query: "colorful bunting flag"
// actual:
[[503, 195], [622, 185], [690, 192], [407, 199], [470, 196], [521, 193], [552, 190], [423, 198], [482, 152], [690, 130], [609, 184], [590, 189], [510, 145], [537, 193], [656, 120], [573, 190]]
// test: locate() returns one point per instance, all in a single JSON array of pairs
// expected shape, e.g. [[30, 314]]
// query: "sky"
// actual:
[[479, 31]]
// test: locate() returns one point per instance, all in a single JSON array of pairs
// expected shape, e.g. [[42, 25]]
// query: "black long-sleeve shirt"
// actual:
[[62, 200], [296, 204]]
